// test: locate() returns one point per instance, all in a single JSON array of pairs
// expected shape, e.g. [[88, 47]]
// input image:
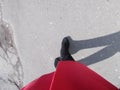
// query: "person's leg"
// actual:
[[64, 52]]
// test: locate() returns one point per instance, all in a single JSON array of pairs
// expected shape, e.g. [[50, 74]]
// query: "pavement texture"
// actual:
[[38, 27]]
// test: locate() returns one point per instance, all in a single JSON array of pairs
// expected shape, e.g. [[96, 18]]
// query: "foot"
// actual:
[[64, 53], [65, 47]]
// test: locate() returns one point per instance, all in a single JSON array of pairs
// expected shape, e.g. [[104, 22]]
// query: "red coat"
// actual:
[[70, 75]]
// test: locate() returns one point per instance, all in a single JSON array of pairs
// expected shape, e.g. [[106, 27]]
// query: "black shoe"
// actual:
[[64, 53], [65, 47]]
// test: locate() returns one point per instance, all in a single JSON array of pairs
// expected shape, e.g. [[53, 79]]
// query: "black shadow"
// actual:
[[111, 41]]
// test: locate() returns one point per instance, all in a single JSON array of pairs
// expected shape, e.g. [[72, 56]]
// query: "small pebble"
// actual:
[[51, 58], [50, 23], [116, 70], [118, 77]]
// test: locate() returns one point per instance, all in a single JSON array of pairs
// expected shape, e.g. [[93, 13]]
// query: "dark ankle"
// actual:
[[57, 60]]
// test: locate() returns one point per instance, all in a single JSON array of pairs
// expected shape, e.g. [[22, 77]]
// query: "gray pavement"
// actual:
[[39, 26]]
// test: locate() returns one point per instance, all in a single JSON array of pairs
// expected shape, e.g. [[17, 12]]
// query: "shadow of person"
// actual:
[[111, 41]]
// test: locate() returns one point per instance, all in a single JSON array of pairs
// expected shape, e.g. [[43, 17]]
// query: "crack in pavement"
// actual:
[[11, 70]]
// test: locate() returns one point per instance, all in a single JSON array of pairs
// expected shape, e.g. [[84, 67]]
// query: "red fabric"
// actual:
[[42, 83], [75, 76], [70, 75]]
